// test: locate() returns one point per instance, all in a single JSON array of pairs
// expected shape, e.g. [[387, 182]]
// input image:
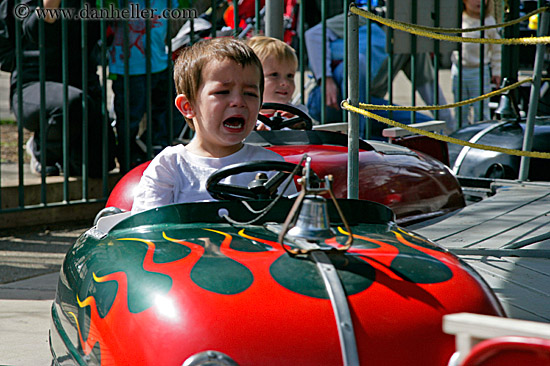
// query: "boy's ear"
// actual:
[[184, 106]]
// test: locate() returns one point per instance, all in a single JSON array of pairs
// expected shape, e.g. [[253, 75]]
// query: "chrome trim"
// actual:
[[338, 299], [209, 358], [454, 360], [462, 155]]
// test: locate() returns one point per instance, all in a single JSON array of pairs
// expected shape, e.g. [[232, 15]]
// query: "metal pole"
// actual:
[[353, 99], [43, 122], [105, 124], [436, 61], [533, 100], [259, 21], [414, 19], [125, 150], [324, 56], [19, 92], [481, 63], [274, 19], [460, 69], [236, 19], [345, 5], [65, 93], [369, 77], [302, 48], [149, 85], [214, 18], [85, 114]]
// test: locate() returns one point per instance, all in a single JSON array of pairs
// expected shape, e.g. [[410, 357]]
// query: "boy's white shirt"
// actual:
[[177, 175]]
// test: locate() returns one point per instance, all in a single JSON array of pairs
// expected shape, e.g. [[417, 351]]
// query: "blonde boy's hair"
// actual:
[[268, 46], [193, 59]]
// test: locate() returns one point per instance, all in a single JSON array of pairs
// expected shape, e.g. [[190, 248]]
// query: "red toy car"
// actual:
[[307, 281]]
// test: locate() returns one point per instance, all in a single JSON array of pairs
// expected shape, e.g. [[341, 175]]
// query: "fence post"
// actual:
[[274, 19], [533, 99], [353, 99]]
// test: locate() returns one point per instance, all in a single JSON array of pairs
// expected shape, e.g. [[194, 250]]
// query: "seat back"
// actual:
[[510, 351]]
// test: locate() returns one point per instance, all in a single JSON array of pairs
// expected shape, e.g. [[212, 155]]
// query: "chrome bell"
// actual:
[[505, 109], [507, 106], [313, 221]]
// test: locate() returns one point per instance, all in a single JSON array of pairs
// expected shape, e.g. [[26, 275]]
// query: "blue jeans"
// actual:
[[53, 98], [333, 115], [138, 107], [470, 89]]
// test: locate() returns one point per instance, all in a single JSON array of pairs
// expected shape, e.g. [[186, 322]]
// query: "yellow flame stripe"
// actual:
[[74, 317], [102, 278], [226, 235], [166, 237], [86, 302], [432, 32]]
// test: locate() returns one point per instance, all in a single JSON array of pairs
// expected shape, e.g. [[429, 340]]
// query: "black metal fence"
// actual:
[[77, 52]]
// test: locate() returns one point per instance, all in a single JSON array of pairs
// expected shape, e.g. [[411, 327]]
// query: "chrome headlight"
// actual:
[[210, 358]]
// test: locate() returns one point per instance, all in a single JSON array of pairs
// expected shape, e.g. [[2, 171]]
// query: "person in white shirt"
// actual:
[[220, 85], [471, 58]]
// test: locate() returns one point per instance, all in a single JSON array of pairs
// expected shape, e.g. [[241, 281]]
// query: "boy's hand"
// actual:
[[260, 126], [332, 93], [51, 4], [272, 112], [496, 80], [285, 114]]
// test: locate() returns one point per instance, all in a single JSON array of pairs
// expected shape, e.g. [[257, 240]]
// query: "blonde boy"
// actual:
[[219, 84], [279, 62]]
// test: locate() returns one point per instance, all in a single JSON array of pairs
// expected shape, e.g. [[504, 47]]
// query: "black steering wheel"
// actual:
[[302, 121], [260, 188]]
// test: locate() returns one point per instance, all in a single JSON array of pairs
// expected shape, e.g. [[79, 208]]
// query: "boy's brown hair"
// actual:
[[193, 59], [268, 46]]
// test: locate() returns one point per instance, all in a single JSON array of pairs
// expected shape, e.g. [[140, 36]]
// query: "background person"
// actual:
[[471, 58], [54, 88], [378, 70], [160, 80]]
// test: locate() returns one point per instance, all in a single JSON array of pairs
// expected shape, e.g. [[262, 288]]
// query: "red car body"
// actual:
[[183, 283], [413, 184], [172, 283]]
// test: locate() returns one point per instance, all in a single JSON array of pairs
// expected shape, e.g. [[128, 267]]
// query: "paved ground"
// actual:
[[29, 267], [24, 334], [5, 113]]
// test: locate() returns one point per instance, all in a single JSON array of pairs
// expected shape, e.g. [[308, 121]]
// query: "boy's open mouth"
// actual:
[[234, 123]]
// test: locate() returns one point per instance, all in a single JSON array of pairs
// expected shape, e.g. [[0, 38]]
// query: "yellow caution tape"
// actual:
[[372, 16], [532, 154], [446, 106], [432, 32]]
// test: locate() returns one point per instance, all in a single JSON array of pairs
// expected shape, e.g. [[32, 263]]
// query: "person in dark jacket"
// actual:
[[54, 93]]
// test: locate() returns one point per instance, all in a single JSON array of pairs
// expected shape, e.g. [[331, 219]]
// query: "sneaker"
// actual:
[[35, 166]]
